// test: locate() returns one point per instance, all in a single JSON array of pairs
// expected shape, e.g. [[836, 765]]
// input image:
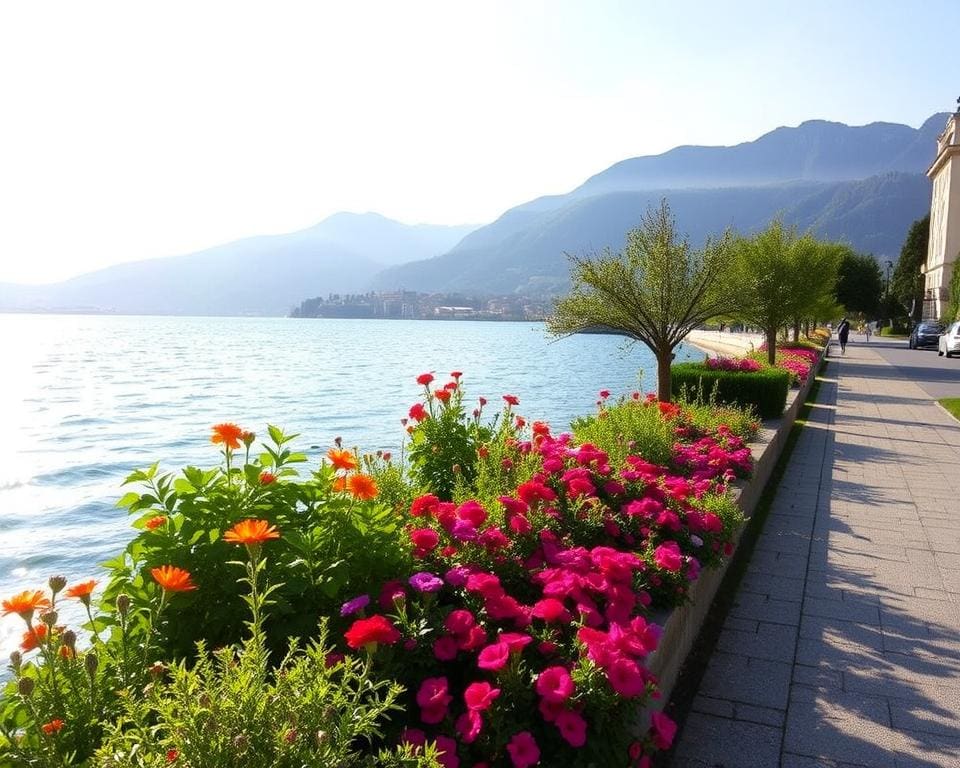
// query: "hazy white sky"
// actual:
[[131, 130]]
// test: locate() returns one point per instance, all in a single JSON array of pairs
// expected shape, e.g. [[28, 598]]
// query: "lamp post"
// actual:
[[886, 288]]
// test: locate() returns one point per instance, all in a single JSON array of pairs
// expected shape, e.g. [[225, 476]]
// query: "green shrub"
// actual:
[[765, 390], [628, 428]]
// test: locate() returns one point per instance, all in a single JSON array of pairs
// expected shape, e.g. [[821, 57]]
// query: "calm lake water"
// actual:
[[84, 400]]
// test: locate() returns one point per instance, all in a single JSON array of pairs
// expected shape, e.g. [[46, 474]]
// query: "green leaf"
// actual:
[[128, 499]]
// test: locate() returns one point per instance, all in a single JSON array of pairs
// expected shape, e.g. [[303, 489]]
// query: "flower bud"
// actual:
[[123, 604], [49, 618], [240, 742], [69, 640], [56, 583], [321, 737], [156, 670], [16, 659], [25, 686], [248, 438], [90, 663]]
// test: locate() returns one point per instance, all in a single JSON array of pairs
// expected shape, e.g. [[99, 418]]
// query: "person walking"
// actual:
[[868, 330], [843, 333]]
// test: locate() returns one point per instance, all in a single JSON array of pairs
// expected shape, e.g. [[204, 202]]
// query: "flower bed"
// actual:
[[503, 575]]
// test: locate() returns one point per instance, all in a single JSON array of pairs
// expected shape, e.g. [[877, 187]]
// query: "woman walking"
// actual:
[[843, 333]]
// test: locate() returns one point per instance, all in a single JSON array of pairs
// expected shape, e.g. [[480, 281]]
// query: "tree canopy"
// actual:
[[656, 291], [781, 277], [906, 284], [859, 283]]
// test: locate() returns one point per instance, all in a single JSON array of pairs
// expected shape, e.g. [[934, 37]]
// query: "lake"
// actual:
[[84, 400]]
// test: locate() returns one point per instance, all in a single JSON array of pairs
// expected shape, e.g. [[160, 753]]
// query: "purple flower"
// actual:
[[426, 582], [352, 606], [457, 576], [464, 530]]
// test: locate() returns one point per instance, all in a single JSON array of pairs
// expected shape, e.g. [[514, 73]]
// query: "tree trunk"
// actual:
[[796, 329], [771, 345], [664, 359]]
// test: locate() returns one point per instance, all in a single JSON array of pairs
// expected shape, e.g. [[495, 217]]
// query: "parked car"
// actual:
[[925, 335], [949, 342]]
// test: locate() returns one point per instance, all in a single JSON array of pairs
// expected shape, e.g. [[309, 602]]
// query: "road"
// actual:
[[937, 376]]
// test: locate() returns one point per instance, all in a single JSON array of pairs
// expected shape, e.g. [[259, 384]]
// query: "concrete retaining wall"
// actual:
[[681, 626]]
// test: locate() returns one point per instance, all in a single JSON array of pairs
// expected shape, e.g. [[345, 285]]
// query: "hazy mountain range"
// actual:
[[256, 276], [862, 184]]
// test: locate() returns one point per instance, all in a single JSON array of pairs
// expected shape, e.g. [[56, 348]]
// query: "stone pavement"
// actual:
[[843, 645]]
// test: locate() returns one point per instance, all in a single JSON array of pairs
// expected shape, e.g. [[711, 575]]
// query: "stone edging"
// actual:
[[681, 625]]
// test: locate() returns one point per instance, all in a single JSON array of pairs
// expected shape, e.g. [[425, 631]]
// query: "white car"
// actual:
[[949, 342]]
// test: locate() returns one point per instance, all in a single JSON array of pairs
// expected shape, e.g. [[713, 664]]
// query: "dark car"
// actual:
[[926, 335]]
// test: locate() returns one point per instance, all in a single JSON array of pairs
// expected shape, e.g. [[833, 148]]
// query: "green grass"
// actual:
[[952, 404]]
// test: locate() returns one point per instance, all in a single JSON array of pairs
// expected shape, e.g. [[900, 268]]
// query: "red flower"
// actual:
[[376, 629], [443, 395], [228, 434], [425, 379], [418, 412], [456, 374], [53, 727], [266, 478], [155, 522], [511, 399], [172, 755]]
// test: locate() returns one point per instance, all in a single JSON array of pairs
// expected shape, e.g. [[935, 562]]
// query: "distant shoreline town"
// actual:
[[412, 305]]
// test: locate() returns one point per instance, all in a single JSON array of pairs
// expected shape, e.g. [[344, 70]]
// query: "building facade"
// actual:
[[944, 245]]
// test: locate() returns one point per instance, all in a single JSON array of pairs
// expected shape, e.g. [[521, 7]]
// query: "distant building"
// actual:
[[944, 245]]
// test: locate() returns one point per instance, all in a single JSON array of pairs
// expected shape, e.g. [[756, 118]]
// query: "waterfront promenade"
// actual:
[[842, 648]]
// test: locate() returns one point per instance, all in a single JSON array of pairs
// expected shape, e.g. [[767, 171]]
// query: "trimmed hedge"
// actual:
[[765, 390]]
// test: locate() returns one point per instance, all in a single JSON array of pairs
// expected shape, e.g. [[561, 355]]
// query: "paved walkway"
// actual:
[[843, 647]]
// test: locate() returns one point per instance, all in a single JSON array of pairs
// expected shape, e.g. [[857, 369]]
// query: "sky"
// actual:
[[140, 130]]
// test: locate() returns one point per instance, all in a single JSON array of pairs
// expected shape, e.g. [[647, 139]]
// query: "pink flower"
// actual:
[[663, 730], [480, 696], [447, 752], [424, 540], [550, 610], [433, 699], [555, 684], [668, 557], [459, 622], [468, 726], [572, 727], [523, 750], [626, 678], [494, 657], [413, 736], [445, 648]]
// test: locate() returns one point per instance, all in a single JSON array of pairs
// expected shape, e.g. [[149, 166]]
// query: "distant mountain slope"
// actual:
[[256, 276], [860, 184]]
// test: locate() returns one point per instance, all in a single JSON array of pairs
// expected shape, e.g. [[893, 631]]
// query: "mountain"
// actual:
[[256, 276], [861, 184]]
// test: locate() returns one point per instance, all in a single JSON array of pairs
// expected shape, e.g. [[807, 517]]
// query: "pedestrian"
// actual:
[[843, 333], [868, 330]]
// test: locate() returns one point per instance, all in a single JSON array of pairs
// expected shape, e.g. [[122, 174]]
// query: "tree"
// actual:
[[859, 283], [656, 291], [906, 285], [781, 277]]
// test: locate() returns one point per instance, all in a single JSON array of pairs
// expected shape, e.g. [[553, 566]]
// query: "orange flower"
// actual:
[[52, 727], [340, 484], [266, 478], [362, 487], [33, 637], [82, 591], [25, 604], [155, 522], [172, 579], [342, 459], [66, 652], [228, 434], [251, 532]]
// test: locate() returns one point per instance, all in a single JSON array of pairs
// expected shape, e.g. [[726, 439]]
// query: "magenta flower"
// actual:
[[668, 556], [554, 684], [572, 727], [480, 696], [523, 750], [353, 606], [494, 657], [426, 582]]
